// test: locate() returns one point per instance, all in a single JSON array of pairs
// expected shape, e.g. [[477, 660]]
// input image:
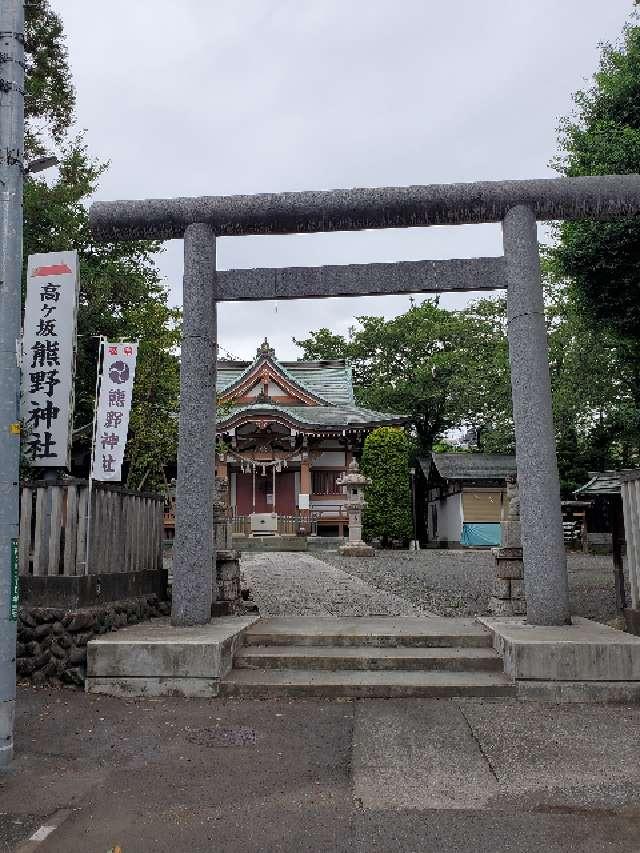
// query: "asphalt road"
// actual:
[[371, 775]]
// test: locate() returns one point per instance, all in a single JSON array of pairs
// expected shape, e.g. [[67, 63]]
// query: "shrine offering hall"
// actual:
[[288, 431]]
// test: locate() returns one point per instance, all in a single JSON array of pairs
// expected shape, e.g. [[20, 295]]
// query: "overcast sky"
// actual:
[[207, 97]]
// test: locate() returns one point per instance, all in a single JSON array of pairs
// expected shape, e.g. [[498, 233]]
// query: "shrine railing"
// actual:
[[288, 525], [125, 529]]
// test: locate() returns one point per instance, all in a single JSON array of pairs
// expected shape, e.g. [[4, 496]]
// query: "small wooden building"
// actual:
[[605, 511], [464, 494]]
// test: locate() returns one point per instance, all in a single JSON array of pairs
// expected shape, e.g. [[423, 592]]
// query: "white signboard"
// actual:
[[303, 501], [114, 407], [48, 353]]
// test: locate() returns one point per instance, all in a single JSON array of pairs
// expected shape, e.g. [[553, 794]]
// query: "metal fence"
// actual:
[[125, 529]]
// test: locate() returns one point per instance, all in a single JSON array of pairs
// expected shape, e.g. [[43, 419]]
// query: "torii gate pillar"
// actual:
[[544, 555], [194, 552]]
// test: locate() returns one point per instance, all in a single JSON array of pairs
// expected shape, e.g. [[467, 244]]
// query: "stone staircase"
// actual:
[[380, 657]]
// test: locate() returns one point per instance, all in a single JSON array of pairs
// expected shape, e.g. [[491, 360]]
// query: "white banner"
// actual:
[[114, 407], [48, 355]]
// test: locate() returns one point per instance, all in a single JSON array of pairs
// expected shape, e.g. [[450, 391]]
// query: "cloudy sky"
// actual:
[[207, 97]]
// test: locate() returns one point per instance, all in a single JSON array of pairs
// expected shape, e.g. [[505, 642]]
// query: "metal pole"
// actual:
[[96, 399], [11, 181], [194, 555], [545, 559]]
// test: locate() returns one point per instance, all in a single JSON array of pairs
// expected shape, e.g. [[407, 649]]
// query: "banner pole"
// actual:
[[93, 448]]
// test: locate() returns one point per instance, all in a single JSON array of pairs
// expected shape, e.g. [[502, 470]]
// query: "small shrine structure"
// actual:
[[288, 430]]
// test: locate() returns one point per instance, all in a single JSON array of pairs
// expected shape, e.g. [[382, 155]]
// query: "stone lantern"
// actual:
[[353, 483]]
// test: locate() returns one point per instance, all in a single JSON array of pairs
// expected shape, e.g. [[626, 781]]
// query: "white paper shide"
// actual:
[[114, 407], [48, 356]]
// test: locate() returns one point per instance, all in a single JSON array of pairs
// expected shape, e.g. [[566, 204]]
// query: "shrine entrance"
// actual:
[[518, 205]]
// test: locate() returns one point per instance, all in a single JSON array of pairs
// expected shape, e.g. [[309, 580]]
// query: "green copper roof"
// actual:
[[320, 417], [330, 380]]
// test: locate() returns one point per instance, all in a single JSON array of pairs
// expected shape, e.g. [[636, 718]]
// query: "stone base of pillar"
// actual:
[[356, 549], [507, 598], [632, 620], [228, 599]]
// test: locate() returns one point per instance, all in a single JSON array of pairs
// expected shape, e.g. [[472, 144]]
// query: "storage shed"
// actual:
[[464, 496]]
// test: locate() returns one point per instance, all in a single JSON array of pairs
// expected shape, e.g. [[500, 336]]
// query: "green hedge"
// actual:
[[385, 459]]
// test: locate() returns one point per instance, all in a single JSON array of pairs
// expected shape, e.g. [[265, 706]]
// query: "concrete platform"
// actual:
[[367, 658], [296, 683], [378, 631], [157, 659], [584, 661]]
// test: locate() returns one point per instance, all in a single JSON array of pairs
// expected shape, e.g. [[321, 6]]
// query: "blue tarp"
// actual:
[[481, 534]]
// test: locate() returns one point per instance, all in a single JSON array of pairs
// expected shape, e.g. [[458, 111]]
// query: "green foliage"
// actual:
[[121, 293], [603, 137], [596, 265], [440, 368], [49, 94], [385, 459]]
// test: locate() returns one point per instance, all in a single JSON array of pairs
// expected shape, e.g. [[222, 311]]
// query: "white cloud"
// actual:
[[192, 97]]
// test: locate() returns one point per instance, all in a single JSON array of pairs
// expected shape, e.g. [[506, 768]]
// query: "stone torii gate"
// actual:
[[517, 204]]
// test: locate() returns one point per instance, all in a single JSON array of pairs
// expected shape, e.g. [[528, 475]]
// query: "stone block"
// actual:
[[506, 606], [511, 534], [162, 651], [509, 569], [502, 588], [517, 589], [582, 651]]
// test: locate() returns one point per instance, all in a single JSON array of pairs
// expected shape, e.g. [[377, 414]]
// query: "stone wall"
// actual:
[[52, 641]]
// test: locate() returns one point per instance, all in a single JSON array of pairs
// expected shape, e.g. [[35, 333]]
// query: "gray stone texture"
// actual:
[[545, 564], [52, 642], [362, 279], [582, 651], [600, 197], [194, 560]]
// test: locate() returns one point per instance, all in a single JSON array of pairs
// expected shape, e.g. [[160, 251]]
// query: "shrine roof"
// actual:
[[327, 379], [470, 466], [320, 417], [601, 483]]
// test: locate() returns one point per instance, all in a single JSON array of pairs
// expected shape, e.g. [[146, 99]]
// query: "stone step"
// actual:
[[300, 683], [366, 658], [379, 632]]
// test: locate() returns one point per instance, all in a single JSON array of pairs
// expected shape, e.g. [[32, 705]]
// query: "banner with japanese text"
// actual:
[[114, 407], [48, 357]]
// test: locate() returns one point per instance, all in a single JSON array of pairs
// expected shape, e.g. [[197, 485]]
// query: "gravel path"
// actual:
[[458, 583], [298, 584]]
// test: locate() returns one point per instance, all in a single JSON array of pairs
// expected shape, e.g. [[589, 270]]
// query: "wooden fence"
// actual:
[[126, 529], [630, 488]]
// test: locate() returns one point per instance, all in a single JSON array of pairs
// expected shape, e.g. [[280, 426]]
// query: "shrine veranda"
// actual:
[[518, 205]]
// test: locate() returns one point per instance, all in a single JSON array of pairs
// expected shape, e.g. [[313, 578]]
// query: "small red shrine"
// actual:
[[289, 430]]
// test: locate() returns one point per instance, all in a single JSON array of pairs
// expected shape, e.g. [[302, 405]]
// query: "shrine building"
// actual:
[[287, 431]]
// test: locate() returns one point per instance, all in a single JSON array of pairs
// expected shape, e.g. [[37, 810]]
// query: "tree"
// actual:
[[441, 368], [121, 292], [603, 137], [385, 459], [597, 264]]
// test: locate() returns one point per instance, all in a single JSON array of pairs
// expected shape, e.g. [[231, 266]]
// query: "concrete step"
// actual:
[[379, 632], [366, 658], [299, 683]]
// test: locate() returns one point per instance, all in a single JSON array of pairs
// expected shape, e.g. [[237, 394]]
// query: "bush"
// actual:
[[385, 459]]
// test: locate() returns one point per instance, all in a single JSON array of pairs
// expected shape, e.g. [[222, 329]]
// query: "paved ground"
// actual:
[[458, 583], [372, 775], [299, 584]]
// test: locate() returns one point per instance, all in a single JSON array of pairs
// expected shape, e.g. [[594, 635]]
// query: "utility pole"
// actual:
[[11, 181]]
